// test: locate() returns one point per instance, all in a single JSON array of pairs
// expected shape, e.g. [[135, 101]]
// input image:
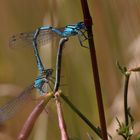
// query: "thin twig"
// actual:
[[127, 77], [88, 24], [61, 121], [28, 126], [135, 69], [94, 128], [126, 129], [58, 63]]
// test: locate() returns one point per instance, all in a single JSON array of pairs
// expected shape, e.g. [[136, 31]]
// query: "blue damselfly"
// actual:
[[45, 34], [35, 39]]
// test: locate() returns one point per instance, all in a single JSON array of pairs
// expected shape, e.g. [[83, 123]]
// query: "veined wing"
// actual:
[[26, 39], [8, 110]]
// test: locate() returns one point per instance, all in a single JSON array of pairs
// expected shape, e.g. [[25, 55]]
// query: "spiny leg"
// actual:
[[80, 34], [50, 86], [51, 80]]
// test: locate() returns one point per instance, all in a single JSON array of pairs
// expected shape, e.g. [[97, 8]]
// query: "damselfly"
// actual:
[[44, 77], [45, 34]]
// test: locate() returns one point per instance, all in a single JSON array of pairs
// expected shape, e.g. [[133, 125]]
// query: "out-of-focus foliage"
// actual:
[[116, 34]]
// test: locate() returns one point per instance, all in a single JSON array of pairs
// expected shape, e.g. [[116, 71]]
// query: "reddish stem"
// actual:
[[62, 125], [28, 125], [88, 24]]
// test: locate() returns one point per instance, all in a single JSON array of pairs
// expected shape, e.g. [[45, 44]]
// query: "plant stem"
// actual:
[[28, 125], [58, 63], [88, 24], [61, 121], [127, 77], [62, 125], [96, 130]]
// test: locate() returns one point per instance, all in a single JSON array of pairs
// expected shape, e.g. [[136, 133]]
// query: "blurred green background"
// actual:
[[116, 34]]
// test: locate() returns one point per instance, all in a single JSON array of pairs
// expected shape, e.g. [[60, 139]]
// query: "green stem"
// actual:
[[127, 77], [95, 129]]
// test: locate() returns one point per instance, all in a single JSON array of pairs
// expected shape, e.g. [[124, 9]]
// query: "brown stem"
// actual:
[[28, 125], [88, 24], [61, 121]]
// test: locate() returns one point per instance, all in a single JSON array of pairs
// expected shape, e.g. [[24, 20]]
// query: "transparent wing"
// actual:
[[25, 39], [22, 39], [8, 110]]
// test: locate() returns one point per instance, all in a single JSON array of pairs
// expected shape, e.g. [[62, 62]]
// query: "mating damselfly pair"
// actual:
[[35, 39]]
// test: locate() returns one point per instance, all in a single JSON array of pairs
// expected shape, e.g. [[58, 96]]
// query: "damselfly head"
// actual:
[[81, 25]]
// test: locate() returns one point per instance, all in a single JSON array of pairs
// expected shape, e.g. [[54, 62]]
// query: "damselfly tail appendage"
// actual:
[[14, 105]]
